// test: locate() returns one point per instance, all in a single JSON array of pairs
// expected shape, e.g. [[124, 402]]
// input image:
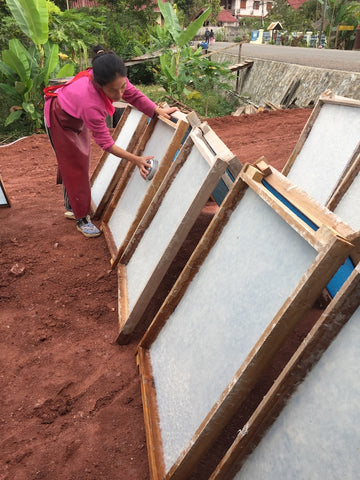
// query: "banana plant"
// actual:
[[184, 72], [181, 37], [28, 69]]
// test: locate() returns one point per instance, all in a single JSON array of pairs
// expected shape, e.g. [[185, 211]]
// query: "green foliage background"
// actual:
[[129, 28]]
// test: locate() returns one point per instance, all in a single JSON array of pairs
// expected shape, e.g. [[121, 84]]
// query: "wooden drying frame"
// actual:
[[308, 353], [97, 210], [233, 170], [345, 183], [339, 189], [219, 158], [180, 127], [332, 249], [3, 191], [312, 212]]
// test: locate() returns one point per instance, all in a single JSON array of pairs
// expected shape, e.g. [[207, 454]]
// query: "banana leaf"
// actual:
[[18, 49], [11, 92], [170, 18], [32, 17], [51, 59], [181, 37], [13, 116], [15, 64], [193, 28], [66, 71], [7, 71]]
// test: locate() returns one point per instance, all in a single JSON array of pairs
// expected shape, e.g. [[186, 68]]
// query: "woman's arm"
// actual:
[[140, 101]]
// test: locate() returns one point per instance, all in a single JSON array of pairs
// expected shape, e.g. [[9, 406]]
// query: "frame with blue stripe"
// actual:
[[200, 286], [289, 201], [276, 410], [233, 170]]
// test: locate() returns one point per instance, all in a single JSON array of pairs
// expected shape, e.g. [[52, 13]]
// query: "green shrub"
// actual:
[[220, 35], [142, 73]]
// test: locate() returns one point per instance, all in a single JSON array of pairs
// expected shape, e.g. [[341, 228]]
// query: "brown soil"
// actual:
[[71, 405]]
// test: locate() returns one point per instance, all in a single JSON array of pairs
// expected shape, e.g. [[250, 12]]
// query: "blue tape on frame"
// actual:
[[221, 189], [344, 271], [220, 192], [290, 206], [340, 277]]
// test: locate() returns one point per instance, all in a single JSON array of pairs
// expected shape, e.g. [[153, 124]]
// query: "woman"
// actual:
[[80, 106], [212, 36]]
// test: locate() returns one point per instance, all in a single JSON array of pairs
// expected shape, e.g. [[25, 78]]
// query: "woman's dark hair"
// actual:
[[107, 66]]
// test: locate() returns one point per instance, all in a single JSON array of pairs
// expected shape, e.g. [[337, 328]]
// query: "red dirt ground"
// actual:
[[71, 405]]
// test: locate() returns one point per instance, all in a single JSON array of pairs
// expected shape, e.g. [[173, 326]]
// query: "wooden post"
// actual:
[[238, 72]]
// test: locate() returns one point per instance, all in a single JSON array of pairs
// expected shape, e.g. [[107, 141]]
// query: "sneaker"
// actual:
[[69, 214], [87, 228]]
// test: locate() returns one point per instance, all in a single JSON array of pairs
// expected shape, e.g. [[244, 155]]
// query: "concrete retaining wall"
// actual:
[[269, 80]]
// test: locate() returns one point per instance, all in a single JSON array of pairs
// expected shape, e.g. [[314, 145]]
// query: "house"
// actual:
[[226, 19], [248, 8], [224, 22], [254, 8]]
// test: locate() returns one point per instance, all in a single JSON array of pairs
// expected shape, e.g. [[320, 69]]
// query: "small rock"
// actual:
[[18, 270]]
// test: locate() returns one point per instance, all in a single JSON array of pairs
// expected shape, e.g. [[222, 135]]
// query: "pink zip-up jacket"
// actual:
[[81, 99]]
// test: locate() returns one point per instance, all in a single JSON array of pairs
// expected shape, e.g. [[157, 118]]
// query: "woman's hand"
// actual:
[[165, 112], [142, 164]]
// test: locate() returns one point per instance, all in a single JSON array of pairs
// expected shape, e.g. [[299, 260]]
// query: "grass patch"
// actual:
[[156, 93]]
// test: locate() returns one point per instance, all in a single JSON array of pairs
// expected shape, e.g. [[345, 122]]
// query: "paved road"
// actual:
[[345, 60]]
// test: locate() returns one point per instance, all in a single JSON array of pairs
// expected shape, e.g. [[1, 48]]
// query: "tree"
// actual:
[[131, 12], [28, 69], [184, 72], [191, 8], [341, 12], [312, 11], [290, 19], [127, 23], [180, 37], [76, 31]]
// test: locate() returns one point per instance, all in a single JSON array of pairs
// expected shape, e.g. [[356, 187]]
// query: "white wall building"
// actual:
[[248, 8]]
